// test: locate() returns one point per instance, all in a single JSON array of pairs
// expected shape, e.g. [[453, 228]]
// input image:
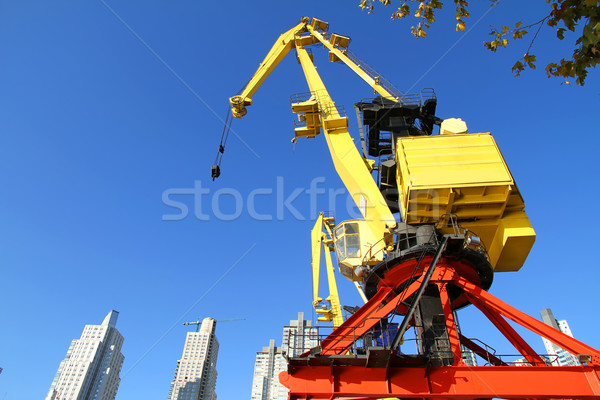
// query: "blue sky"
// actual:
[[104, 111]]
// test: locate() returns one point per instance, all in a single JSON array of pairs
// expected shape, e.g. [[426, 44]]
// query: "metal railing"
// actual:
[[380, 337], [384, 83]]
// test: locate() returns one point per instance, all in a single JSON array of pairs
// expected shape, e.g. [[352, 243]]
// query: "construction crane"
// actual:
[[199, 322], [461, 218]]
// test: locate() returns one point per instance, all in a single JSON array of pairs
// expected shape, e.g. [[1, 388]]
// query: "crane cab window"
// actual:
[[347, 240]]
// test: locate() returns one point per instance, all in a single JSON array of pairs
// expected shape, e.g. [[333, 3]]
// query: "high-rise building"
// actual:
[[265, 383], [468, 357], [90, 370], [298, 337], [196, 371], [557, 355], [523, 361]]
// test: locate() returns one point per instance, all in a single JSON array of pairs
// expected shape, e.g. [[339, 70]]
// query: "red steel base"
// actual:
[[316, 383], [329, 375]]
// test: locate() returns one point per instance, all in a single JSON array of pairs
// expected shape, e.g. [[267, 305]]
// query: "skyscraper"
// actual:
[[298, 337], [558, 356], [265, 383], [468, 357], [196, 371], [90, 370]]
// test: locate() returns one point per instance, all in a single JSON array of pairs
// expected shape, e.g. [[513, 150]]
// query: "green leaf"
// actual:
[[436, 4], [560, 33], [517, 68], [551, 69]]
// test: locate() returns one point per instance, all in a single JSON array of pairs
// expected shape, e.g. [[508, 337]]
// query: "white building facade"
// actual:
[[196, 371], [557, 355], [468, 357], [91, 367], [265, 383], [298, 337]]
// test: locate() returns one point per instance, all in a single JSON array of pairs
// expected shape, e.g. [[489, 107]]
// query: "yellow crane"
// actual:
[[435, 182], [441, 213], [453, 184]]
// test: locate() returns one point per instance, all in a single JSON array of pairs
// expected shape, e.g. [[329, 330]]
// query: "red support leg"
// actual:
[[480, 351], [515, 339], [369, 315], [568, 343], [450, 324]]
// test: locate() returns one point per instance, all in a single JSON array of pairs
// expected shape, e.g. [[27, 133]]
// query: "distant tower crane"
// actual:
[[199, 322]]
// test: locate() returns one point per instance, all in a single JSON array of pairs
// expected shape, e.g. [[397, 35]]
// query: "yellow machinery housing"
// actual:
[[454, 173], [465, 175]]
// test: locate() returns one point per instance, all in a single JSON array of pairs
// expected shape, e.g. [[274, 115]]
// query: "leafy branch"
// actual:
[[564, 15]]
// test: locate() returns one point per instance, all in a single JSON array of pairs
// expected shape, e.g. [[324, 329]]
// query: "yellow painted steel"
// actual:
[[334, 297], [280, 49], [339, 55], [454, 173], [347, 160], [316, 243], [321, 113], [465, 175], [319, 239], [361, 292]]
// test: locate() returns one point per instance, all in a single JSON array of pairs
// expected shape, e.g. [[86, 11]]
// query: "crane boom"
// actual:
[[333, 45], [320, 112], [280, 49], [348, 162]]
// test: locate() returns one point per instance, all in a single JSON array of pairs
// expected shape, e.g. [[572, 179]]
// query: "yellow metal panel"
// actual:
[[339, 40], [515, 237], [465, 175], [462, 174], [453, 160], [309, 106], [336, 123], [317, 23]]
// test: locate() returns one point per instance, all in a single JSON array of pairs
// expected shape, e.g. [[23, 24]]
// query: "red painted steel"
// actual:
[[513, 337], [511, 382], [480, 351], [450, 324], [403, 378], [369, 315], [568, 343]]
